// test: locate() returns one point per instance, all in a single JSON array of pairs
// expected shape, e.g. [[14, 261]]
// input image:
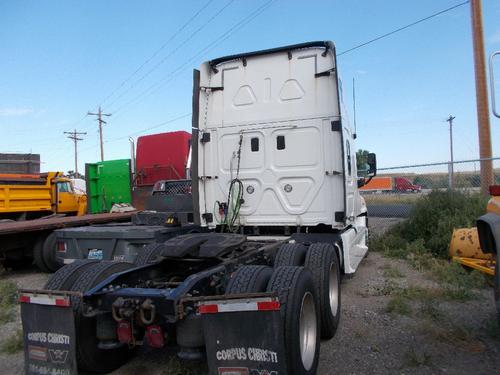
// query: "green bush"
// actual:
[[392, 244], [8, 292], [398, 304], [437, 214], [13, 343]]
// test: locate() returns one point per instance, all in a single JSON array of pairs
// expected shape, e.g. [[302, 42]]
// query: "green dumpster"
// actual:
[[108, 182]]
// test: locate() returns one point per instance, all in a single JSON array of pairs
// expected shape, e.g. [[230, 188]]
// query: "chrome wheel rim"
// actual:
[[333, 292], [308, 330]]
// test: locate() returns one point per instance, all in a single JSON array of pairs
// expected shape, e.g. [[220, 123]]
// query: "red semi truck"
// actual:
[[162, 156], [391, 184]]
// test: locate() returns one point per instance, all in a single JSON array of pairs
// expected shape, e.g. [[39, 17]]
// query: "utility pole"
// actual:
[[74, 137], [99, 115], [483, 116], [450, 167]]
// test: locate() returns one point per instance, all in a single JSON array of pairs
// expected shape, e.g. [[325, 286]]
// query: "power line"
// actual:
[[162, 47], [142, 130], [152, 127], [74, 136], [172, 37], [154, 87], [183, 43], [402, 28]]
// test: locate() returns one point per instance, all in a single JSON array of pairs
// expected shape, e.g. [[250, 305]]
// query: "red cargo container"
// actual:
[[162, 157]]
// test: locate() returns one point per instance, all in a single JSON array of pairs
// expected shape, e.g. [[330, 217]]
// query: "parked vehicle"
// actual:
[[477, 247], [169, 213], [275, 173], [162, 156], [391, 184], [30, 196], [29, 241]]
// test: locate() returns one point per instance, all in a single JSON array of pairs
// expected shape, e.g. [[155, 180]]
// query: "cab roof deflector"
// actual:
[[327, 45]]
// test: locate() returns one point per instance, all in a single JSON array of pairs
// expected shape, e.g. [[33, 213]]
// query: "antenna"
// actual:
[[354, 105]]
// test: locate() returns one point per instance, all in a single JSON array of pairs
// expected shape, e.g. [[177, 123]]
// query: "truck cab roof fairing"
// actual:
[[327, 45]]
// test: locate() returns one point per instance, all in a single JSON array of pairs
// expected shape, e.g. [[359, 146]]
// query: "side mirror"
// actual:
[[371, 160], [492, 84]]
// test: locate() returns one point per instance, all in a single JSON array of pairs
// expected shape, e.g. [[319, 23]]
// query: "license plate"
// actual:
[[96, 254]]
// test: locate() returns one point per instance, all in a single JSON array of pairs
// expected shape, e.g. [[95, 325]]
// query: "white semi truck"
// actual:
[[275, 180]]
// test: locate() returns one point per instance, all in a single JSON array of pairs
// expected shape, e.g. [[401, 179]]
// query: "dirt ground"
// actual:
[[438, 337]]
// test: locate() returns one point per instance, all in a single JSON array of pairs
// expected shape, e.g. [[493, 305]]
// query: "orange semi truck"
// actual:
[[391, 184]]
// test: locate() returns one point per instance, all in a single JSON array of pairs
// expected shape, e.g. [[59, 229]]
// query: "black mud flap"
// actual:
[[244, 336], [49, 333]]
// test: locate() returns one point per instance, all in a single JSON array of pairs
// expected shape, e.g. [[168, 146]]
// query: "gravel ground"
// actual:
[[457, 338]]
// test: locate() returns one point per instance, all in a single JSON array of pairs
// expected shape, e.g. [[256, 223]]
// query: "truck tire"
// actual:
[[88, 356], [49, 253], [290, 254], [148, 254], [299, 311], [323, 262], [249, 279], [64, 278], [38, 255]]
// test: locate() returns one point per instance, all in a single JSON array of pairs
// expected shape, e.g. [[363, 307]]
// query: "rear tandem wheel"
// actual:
[[299, 311]]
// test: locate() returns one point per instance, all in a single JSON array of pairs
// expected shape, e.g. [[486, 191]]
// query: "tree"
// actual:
[[72, 174]]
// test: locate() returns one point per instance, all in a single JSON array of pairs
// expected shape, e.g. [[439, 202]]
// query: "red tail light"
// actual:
[[61, 246], [124, 332], [154, 336]]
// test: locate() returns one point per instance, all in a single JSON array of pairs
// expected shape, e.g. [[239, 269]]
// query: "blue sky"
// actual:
[[59, 59]]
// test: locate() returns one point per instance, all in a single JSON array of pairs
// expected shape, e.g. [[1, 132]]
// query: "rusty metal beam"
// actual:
[[62, 222]]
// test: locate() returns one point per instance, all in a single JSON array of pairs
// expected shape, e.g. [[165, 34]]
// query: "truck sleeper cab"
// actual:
[[274, 157]]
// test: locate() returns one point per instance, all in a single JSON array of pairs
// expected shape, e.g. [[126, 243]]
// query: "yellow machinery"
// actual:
[[465, 247], [26, 196], [478, 248]]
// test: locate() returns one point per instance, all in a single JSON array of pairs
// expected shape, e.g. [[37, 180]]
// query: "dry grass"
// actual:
[[391, 198], [391, 272], [8, 293], [13, 343], [459, 336], [417, 358]]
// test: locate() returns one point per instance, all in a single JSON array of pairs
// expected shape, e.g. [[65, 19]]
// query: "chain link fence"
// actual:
[[396, 190]]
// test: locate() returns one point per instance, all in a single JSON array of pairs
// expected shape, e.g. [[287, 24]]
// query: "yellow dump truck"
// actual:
[[31, 196], [478, 248], [32, 206]]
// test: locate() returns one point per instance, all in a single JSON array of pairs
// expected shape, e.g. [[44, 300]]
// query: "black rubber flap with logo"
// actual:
[[49, 339], [244, 343]]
